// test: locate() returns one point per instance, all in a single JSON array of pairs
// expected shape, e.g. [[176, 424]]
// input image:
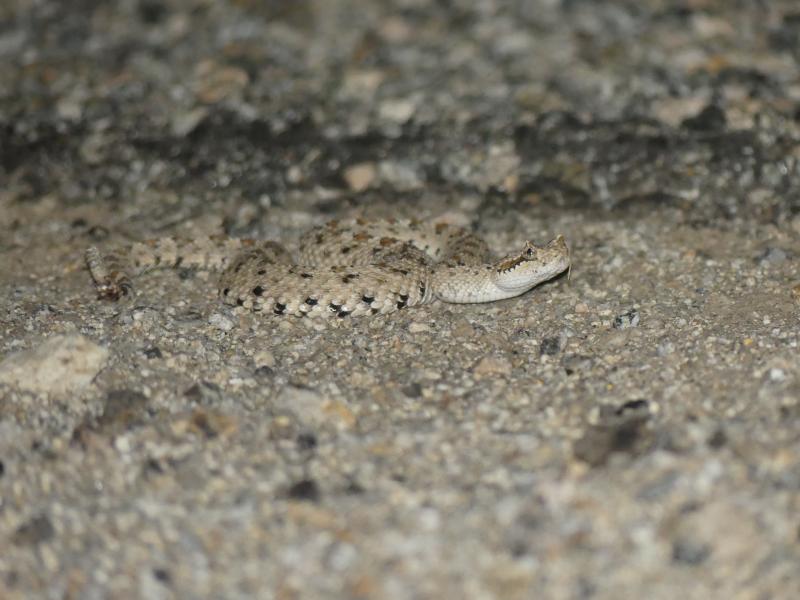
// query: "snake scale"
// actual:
[[356, 267]]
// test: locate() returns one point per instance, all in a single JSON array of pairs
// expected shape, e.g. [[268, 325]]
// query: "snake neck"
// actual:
[[511, 276]]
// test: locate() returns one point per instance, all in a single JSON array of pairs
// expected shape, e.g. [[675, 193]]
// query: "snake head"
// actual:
[[533, 265]]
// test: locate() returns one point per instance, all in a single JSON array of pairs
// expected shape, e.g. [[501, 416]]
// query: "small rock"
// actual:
[[153, 352], [215, 82], [627, 319], [402, 175], [549, 346], [711, 118], [396, 110], [305, 489], [59, 365], [463, 329], [264, 358], [417, 327], [690, 552], [312, 409], [718, 439], [221, 322], [123, 409], [622, 431], [204, 392], [359, 177], [265, 372], [777, 375], [492, 365], [773, 255], [184, 122], [306, 441], [39, 529], [412, 390], [641, 407]]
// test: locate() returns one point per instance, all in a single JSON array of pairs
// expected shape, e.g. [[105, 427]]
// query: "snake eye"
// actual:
[[529, 251]]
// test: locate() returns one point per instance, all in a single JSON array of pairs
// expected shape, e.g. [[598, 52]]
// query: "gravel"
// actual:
[[629, 431]]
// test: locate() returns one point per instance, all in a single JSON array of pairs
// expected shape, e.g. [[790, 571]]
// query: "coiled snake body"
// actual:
[[345, 268]]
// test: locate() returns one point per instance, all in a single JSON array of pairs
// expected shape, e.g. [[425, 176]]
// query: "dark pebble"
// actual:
[[203, 392], [718, 439], [549, 346], [153, 352], [265, 371], [162, 575], [627, 319], [690, 553], [123, 409], [305, 489], [633, 406], [412, 390], [306, 441], [711, 118], [39, 529]]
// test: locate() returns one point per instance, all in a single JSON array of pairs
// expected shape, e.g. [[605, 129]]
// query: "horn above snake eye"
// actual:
[[529, 249]]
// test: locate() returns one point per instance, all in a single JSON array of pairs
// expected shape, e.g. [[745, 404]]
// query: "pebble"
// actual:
[[59, 365], [313, 409], [773, 255], [396, 110], [216, 82], [627, 319], [360, 176], [264, 358], [221, 322], [492, 365]]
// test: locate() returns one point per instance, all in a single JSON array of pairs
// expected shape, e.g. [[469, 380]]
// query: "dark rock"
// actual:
[[718, 439], [265, 371], [35, 531], [627, 319], [162, 575], [690, 553], [153, 352], [204, 392], [711, 118], [412, 390], [633, 406], [123, 410], [549, 346], [306, 441], [305, 489], [623, 433]]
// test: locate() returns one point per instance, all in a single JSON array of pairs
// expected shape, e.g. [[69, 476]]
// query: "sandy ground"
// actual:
[[630, 432]]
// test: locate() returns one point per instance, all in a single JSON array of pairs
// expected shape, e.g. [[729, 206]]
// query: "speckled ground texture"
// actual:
[[630, 432]]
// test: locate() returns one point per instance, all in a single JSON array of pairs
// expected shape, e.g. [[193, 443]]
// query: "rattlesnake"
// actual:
[[356, 267]]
